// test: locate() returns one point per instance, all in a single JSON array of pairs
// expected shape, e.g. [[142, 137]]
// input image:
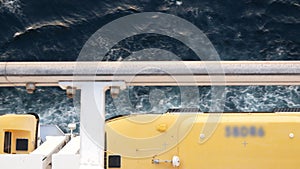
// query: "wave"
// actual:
[[60, 110], [37, 26]]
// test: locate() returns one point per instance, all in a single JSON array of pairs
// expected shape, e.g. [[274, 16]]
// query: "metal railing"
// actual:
[[153, 73]]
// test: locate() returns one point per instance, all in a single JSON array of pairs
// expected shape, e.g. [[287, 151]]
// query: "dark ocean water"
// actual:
[[56, 30]]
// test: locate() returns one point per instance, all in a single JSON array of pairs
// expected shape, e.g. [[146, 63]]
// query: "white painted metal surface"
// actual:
[[72, 147], [39, 159], [153, 73], [21, 161], [68, 157], [52, 145], [92, 121], [66, 161]]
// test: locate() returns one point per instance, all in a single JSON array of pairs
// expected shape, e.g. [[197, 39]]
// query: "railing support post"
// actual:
[[92, 121]]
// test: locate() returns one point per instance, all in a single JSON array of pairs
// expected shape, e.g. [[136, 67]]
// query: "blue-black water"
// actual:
[[56, 30]]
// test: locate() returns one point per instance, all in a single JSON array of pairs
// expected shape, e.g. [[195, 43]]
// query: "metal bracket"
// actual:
[[92, 120]]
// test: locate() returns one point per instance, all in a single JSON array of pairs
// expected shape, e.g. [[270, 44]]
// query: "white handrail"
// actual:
[[153, 73]]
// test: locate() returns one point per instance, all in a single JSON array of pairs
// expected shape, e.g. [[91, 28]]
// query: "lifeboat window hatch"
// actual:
[[114, 161], [22, 144], [7, 142]]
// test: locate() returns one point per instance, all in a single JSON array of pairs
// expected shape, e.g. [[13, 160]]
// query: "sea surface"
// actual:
[[56, 30]]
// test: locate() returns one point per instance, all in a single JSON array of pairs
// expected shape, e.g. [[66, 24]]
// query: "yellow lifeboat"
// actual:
[[204, 140], [18, 133]]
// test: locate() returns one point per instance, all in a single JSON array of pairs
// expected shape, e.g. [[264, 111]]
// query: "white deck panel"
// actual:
[[68, 157], [52, 145], [21, 161], [72, 147]]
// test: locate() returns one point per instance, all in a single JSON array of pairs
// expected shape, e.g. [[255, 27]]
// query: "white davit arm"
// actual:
[[38, 159]]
